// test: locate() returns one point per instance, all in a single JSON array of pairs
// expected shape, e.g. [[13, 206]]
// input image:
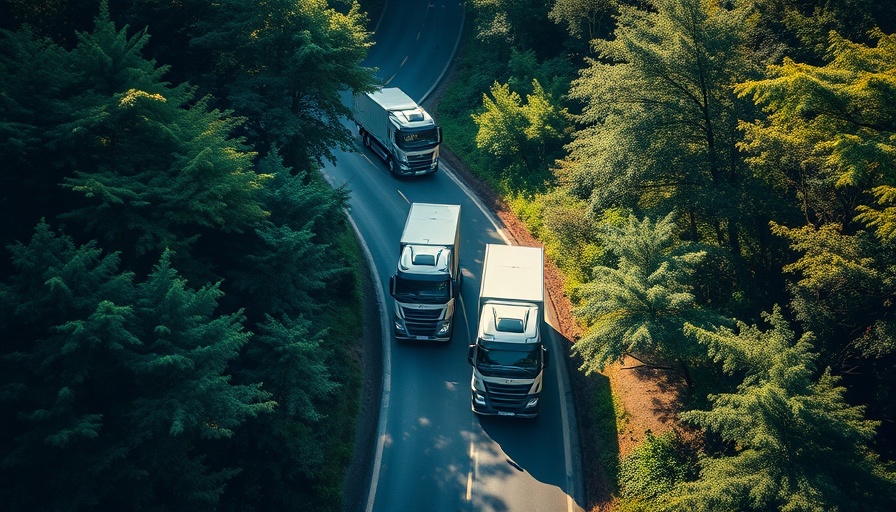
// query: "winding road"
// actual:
[[433, 453]]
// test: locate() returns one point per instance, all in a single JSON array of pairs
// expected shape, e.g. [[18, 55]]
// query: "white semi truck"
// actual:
[[427, 282], [394, 127], [509, 356]]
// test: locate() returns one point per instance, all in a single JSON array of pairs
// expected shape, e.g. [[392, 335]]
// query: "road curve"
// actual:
[[432, 452]]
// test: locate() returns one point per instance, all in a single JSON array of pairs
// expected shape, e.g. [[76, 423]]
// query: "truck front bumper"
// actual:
[[483, 405], [439, 331]]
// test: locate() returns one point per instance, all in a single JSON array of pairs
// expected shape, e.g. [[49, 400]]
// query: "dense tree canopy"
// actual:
[[121, 387], [641, 307], [661, 120], [796, 444], [162, 344]]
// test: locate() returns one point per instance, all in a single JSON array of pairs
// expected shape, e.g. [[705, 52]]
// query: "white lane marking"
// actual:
[[387, 368], [474, 470], [382, 15], [403, 197]]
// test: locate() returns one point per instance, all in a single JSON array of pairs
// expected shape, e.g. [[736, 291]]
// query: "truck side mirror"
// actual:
[[546, 355], [471, 353], [392, 286]]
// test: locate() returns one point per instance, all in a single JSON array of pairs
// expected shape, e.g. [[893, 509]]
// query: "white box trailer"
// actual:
[[509, 356], [399, 130]]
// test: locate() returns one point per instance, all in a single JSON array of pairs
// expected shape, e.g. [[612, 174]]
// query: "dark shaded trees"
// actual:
[[283, 65], [121, 387]]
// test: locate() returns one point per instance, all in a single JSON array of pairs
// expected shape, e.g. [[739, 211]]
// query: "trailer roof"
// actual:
[[513, 272], [393, 98], [431, 224]]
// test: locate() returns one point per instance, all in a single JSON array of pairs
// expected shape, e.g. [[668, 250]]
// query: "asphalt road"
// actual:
[[433, 453]]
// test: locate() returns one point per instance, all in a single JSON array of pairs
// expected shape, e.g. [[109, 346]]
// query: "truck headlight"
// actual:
[[477, 384], [443, 329], [399, 326], [531, 403]]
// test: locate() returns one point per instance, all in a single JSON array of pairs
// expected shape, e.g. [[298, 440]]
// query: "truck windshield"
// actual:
[[418, 139], [429, 292], [524, 360]]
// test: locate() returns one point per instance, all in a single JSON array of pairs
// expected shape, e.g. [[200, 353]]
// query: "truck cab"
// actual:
[[398, 130]]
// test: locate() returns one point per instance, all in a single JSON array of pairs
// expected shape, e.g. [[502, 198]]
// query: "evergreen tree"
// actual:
[[281, 454], [795, 443], [146, 169], [288, 265], [36, 79], [194, 177], [116, 391], [65, 328], [641, 307]]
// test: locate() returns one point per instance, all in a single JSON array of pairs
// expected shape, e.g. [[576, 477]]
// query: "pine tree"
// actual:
[[153, 169], [65, 330], [35, 79], [641, 307], [118, 390], [795, 443]]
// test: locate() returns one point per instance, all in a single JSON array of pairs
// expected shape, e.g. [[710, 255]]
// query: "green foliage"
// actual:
[[509, 23], [641, 306], [654, 468], [796, 444], [522, 138], [660, 120], [585, 19], [800, 30], [120, 389], [112, 107], [839, 120], [123, 390], [263, 69]]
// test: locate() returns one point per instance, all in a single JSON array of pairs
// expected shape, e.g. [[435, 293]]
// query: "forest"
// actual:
[[715, 178], [717, 182], [178, 284]]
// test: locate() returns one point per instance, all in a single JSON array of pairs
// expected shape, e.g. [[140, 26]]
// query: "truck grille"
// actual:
[[507, 396], [421, 322], [420, 162]]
